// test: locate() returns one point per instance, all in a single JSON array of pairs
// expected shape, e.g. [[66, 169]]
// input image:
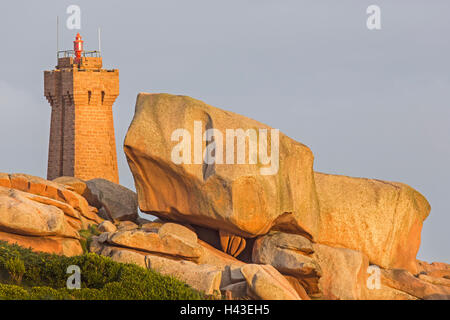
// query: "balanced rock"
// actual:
[[242, 194], [381, 219]]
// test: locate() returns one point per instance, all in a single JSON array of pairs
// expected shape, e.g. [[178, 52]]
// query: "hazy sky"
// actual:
[[370, 104]]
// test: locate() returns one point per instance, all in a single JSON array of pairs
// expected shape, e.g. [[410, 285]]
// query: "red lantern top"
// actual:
[[78, 48]]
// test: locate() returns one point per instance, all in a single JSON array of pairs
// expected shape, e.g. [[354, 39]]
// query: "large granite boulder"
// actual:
[[381, 219], [176, 178]]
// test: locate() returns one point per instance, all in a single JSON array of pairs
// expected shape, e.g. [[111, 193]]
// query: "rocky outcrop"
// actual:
[[265, 228], [43, 215], [175, 250], [246, 199], [381, 219]]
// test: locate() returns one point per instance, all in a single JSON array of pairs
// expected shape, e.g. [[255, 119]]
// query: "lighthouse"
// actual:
[[81, 95]]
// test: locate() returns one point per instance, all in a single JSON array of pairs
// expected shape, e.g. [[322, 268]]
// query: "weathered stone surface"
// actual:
[[404, 281], [151, 242], [119, 203], [78, 185], [234, 198], [288, 253], [50, 244], [219, 259], [435, 280], [43, 215], [20, 215], [387, 293], [344, 272], [174, 245], [44, 188], [266, 283], [237, 290], [435, 269], [126, 256], [236, 275], [174, 229], [107, 226], [375, 217], [204, 278], [126, 225], [298, 287], [231, 243], [151, 226]]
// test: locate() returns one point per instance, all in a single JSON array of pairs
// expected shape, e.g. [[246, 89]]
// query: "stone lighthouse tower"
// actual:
[[81, 94]]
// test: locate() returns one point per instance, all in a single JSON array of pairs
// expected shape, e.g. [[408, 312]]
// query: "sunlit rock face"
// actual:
[[168, 147]]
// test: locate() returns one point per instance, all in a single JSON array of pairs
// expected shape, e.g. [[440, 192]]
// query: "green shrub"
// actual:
[[47, 293], [15, 268], [86, 237], [44, 277], [12, 292]]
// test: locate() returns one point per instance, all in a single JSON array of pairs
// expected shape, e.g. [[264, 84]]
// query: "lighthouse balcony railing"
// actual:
[[71, 54]]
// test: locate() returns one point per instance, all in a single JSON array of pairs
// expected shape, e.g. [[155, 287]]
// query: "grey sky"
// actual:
[[368, 103]]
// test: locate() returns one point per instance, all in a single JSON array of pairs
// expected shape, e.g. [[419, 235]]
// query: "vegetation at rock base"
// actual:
[[86, 237], [25, 274]]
